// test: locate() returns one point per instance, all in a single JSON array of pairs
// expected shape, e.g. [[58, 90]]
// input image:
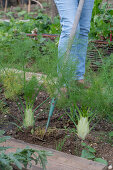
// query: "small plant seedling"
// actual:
[[3, 108], [60, 145], [110, 137], [89, 153], [111, 134]]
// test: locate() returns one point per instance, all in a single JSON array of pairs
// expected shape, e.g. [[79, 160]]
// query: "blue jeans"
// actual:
[[67, 11]]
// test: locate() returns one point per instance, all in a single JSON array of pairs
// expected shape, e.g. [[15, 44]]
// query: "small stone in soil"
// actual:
[[110, 167], [10, 133]]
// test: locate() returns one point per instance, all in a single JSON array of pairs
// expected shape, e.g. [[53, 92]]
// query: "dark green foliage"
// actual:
[[102, 21], [22, 157], [96, 9], [42, 22], [3, 139], [55, 26]]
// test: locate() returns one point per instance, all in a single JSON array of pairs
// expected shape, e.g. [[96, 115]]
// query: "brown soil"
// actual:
[[98, 138]]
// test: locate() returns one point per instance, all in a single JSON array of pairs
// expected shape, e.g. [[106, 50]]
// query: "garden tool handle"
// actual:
[[74, 29], [77, 18]]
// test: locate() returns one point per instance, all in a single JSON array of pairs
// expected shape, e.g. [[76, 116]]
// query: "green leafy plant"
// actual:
[[42, 22], [102, 22], [96, 9], [22, 157], [21, 13], [3, 139], [30, 95], [31, 91], [89, 153], [55, 26]]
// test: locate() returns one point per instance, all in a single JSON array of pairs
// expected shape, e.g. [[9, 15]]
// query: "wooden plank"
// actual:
[[59, 160]]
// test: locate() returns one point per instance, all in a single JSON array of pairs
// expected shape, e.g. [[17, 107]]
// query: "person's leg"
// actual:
[[67, 10], [82, 44]]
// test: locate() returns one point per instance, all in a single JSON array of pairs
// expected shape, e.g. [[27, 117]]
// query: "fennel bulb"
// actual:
[[28, 117], [83, 127]]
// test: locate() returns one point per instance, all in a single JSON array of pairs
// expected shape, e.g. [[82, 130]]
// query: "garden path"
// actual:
[[28, 75]]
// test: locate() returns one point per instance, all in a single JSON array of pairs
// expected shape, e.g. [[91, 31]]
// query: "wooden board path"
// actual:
[[59, 160]]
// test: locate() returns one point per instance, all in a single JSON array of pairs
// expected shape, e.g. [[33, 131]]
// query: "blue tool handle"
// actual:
[[53, 103]]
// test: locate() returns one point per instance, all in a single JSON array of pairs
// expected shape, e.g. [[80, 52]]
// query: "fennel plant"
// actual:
[[31, 91], [30, 88], [81, 119]]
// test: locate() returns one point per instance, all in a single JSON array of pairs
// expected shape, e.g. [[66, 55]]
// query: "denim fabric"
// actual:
[[67, 10]]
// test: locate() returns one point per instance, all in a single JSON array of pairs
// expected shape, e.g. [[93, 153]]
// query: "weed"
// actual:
[[3, 108], [12, 83], [106, 136], [61, 143], [89, 153]]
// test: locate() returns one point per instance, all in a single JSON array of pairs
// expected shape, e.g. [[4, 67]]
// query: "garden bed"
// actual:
[[59, 135]]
